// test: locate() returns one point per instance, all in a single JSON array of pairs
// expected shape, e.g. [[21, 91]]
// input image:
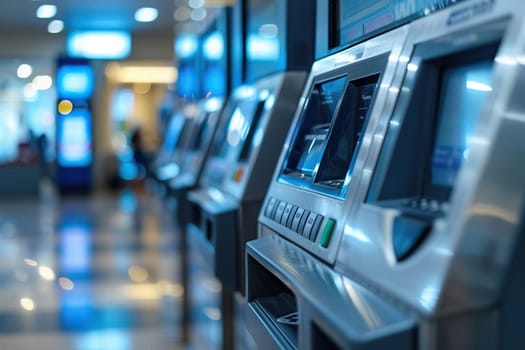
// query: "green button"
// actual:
[[326, 236]]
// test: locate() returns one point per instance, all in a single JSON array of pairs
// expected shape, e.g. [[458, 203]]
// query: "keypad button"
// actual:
[[326, 235], [270, 207], [310, 221], [315, 228], [286, 214], [302, 223], [279, 212], [291, 217], [297, 219]]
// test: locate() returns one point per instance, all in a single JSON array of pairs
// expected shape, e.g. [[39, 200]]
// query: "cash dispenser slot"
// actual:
[[284, 288], [272, 316]]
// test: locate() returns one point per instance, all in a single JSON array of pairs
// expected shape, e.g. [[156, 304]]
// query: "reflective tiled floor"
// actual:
[[90, 273]]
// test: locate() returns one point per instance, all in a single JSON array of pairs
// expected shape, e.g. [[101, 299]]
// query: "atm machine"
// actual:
[[74, 125], [194, 143], [428, 249], [223, 211], [346, 93], [223, 216], [166, 162]]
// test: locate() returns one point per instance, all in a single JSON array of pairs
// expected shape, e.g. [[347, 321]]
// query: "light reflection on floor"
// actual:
[[85, 273]]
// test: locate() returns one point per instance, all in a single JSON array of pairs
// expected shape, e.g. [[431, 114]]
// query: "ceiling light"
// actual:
[[46, 11], [141, 74], [213, 47], [146, 14], [198, 14], [24, 71], [186, 45], [99, 44], [55, 26], [195, 4], [182, 14]]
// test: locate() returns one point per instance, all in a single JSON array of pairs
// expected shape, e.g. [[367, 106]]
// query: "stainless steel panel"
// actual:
[[462, 264], [329, 207]]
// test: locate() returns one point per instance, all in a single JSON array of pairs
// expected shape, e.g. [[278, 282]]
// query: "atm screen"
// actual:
[[463, 91], [346, 135], [239, 126], [254, 135], [75, 81], [357, 18], [173, 134], [264, 36], [202, 133], [317, 117]]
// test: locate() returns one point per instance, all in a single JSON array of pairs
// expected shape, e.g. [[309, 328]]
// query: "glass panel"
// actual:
[[464, 89], [317, 117], [346, 135]]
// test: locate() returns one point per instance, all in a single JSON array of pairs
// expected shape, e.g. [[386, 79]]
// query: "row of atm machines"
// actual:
[[377, 202]]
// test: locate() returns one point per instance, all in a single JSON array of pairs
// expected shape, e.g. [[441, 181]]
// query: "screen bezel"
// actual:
[[247, 147], [442, 192], [348, 107], [287, 169], [355, 72], [403, 170]]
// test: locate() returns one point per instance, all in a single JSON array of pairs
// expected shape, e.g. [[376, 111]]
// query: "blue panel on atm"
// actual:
[[74, 139], [214, 82], [188, 81], [357, 19], [75, 81], [265, 37]]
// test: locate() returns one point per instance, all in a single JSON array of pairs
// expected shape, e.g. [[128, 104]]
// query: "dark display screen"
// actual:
[[354, 19], [254, 134], [173, 133], [317, 117], [346, 136], [201, 134], [463, 91]]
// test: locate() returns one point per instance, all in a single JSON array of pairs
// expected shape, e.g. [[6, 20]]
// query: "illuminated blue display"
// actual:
[[99, 44], [215, 80], [213, 46], [187, 83], [186, 46], [263, 49], [74, 139], [265, 37], [75, 81]]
